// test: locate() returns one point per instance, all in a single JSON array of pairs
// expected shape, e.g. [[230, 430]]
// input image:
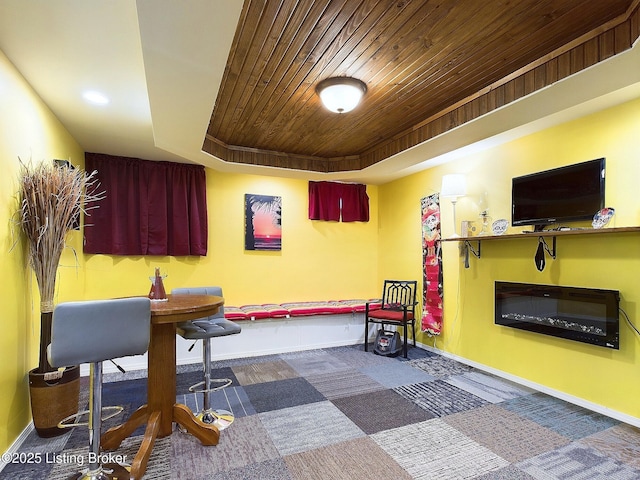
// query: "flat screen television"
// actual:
[[565, 194]]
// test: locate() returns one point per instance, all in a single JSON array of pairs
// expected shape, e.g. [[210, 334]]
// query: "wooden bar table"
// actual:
[[161, 409]]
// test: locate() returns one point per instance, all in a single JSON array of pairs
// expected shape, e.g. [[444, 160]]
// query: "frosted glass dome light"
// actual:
[[341, 94]]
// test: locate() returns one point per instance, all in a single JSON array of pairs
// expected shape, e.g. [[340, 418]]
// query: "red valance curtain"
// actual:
[[151, 208], [332, 200]]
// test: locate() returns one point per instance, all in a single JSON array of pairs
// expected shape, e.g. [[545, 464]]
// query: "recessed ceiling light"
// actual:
[[96, 98]]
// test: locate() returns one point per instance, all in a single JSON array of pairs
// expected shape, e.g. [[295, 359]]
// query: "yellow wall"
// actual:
[[318, 260], [27, 130], [608, 261]]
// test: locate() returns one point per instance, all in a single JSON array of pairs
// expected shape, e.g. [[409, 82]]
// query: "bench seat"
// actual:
[[298, 309]]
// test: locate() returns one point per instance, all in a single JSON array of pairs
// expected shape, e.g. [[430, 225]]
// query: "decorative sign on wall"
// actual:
[[432, 265], [262, 222]]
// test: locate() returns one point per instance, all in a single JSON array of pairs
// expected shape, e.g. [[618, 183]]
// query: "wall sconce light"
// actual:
[[454, 186], [341, 94]]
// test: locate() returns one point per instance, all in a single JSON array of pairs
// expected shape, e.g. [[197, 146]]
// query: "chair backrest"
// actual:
[[217, 291], [398, 294], [94, 331]]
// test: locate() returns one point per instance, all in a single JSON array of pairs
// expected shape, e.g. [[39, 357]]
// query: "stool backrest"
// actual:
[[217, 291], [98, 330]]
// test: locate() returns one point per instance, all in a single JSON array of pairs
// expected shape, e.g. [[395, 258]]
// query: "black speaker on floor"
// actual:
[[388, 344]]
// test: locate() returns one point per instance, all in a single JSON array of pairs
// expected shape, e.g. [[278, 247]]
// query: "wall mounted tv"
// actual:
[[565, 194]]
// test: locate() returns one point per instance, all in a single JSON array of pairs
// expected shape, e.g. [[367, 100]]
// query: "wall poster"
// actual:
[[432, 265], [262, 222]]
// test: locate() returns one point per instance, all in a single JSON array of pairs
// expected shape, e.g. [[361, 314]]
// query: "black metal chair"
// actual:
[[205, 329], [398, 308], [92, 332]]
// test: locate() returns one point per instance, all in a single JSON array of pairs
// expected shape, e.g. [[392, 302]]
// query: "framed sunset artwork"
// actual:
[[262, 222]]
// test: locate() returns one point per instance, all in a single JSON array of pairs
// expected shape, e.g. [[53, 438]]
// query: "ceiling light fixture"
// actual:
[[341, 94]]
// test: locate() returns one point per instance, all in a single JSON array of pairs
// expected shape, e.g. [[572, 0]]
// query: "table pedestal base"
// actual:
[[207, 434]]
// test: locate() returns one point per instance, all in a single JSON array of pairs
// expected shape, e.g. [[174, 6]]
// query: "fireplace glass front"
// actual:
[[583, 314]]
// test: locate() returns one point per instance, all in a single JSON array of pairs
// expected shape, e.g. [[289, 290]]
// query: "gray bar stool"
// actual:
[[92, 332], [205, 329]]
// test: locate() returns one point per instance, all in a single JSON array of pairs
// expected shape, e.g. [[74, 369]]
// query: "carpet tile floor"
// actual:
[[342, 413]]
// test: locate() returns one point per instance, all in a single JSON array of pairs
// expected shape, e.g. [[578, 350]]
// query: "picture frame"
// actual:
[[263, 222]]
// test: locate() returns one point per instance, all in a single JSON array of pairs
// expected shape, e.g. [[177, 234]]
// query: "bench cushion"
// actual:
[[269, 310], [234, 313], [299, 309]]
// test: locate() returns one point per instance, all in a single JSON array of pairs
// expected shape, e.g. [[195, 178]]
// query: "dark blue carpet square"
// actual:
[[291, 392]]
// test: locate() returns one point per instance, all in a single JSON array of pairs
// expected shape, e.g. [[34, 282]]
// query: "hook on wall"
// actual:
[[543, 247]]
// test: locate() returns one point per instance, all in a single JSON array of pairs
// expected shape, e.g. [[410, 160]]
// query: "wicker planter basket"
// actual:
[[53, 400]]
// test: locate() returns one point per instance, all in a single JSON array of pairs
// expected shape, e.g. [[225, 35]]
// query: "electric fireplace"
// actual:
[[582, 314]]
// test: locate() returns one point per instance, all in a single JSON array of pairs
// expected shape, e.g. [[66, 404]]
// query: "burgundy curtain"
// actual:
[[324, 201], [151, 208], [331, 200], [355, 203]]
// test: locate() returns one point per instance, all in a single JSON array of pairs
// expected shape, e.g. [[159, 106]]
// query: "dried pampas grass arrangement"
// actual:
[[51, 198]]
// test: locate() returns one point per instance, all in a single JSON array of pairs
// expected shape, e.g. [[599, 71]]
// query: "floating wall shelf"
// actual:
[[468, 242]]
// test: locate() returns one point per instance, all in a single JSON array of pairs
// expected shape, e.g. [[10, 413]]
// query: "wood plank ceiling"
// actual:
[[429, 65]]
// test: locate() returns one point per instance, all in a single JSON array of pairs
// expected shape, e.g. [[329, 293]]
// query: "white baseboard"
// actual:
[[17, 444], [623, 417]]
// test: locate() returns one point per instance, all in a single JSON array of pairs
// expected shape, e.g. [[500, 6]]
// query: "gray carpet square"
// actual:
[[440, 398], [268, 470], [440, 367], [245, 443], [22, 470], [492, 389], [396, 374], [233, 362], [569, 420], [75, 460], [270, 396], [381, 410], [435, 450], [356, 357], [575, 461], [316, 364], [507, 473], [343, 383], [303, 428], [303, 354], [35, 444]]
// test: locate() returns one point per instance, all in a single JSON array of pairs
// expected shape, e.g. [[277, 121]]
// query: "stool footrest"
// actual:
[[225, 381], [66, 422]]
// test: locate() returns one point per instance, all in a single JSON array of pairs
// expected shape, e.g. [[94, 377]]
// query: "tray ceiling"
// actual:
[[417, 58]]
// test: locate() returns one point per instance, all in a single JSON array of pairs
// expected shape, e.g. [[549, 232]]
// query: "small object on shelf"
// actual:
[[602, 218], [468, 228], [484, 216], [499, 226]]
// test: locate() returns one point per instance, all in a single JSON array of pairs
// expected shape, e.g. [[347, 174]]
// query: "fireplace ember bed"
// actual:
[[582, 314]]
